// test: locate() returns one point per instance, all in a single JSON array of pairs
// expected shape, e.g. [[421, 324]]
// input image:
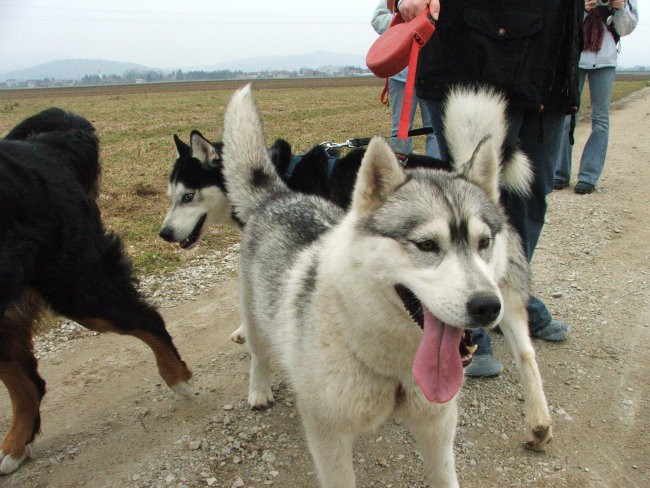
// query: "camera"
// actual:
[[602, 3]]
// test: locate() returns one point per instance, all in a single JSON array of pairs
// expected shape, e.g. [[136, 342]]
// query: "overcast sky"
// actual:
[[188, 33]]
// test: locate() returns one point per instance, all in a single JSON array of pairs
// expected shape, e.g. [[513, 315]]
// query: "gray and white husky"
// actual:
[[364, 309]]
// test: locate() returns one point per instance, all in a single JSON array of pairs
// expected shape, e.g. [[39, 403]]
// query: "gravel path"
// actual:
[[109, 422]]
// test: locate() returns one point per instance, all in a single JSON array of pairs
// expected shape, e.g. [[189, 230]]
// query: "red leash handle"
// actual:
[[391, 52]]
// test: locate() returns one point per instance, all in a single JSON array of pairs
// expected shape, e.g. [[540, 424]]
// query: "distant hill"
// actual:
[[316, 59], [73, 69]]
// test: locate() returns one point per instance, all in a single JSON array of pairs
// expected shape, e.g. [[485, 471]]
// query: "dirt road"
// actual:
[[108, 420]]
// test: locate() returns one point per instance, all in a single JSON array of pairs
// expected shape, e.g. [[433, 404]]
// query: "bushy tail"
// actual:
[[250, 175], [473, 114]]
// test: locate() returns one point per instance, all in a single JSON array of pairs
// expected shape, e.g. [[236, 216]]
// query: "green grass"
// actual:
[[136, 124]]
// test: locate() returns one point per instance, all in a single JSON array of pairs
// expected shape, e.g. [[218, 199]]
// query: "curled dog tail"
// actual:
[[473, 114], [249, 173]]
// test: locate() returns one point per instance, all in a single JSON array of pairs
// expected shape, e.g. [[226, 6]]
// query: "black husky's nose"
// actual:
[[484, 308], [167, 234]]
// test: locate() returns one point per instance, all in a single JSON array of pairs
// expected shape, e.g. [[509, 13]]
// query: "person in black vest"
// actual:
[[529, 50]]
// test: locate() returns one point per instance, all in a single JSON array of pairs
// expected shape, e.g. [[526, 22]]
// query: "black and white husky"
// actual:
[[365, 309], [197, 192], [199, 198]]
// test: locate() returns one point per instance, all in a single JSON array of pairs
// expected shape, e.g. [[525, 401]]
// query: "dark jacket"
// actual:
[[527, 48]]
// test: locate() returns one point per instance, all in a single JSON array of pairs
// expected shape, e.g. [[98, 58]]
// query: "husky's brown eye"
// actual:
[[484, 243], [187, 197], [427, 245]]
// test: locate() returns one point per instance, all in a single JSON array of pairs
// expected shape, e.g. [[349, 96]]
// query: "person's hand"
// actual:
[[617, 4], [409, 9], [590, 5]]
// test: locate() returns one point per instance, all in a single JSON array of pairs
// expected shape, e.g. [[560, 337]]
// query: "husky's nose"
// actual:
[[167, 234], [484, 308]]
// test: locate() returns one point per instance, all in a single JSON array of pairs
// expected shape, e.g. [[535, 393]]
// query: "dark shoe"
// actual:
[[582, 188], [554, 331], [560, 184], [483, 365]]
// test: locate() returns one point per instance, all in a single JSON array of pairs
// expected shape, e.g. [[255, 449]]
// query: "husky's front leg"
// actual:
[[515, 328], [434, 429], [331, 449]]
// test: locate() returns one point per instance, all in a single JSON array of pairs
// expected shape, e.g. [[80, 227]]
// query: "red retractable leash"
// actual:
[[393, 51]]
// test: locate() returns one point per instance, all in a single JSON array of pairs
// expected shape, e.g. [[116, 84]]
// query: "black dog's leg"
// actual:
[[101, 295], [145, 323], [19, 373]]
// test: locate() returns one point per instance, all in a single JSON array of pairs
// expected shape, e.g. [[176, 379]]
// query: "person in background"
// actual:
[[381, 20], [603, 27], [529, 50]]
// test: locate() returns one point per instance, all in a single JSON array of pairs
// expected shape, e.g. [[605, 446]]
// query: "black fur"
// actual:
[[310, 175], [63, 137], [53, 244], [192, 172]]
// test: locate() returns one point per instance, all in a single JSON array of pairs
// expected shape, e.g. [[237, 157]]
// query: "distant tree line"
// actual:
[[153, 76]]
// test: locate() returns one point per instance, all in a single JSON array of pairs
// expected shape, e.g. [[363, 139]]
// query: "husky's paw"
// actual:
[[238, 335], [9, 464], [260, 400], [184, 389], [542, 435]]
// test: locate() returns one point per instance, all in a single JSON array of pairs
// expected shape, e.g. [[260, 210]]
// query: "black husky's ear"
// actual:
[[203, 150], [182, 149], [281, 155]]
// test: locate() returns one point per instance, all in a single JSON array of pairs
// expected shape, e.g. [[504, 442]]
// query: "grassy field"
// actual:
[[136, 124]]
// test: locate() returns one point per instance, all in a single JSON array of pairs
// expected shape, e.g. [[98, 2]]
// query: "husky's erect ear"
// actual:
[[483, 168], [281, 155], [182, 149], [379, 175], [203, 150]]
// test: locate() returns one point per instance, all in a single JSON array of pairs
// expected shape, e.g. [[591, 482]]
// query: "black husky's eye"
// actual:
[[187, 197], [484, 243], [428, 245]]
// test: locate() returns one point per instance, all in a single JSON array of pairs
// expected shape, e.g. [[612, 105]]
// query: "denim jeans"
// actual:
[[539, 135], [396, 92], [594, 153]]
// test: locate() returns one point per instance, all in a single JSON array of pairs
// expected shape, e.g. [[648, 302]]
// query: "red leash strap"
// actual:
[[409, 91], [384, 97]]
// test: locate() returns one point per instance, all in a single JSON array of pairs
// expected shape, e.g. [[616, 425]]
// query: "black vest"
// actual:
[[529, 49]]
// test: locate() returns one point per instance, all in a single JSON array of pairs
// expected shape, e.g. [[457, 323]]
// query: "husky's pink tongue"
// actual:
[[437, 366]]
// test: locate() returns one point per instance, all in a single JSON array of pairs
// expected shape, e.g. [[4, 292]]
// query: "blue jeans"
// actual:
[[540, 137], [594, 153], [396, 92]]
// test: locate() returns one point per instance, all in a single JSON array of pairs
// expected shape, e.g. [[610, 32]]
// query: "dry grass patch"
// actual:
[[136, 125]]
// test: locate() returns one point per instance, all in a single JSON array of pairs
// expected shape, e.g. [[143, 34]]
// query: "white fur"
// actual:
[[471, 115], [349, 344], [184, 389], [9, 464], [183, 217]]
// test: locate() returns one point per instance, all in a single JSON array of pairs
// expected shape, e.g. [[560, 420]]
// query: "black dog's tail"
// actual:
[[69, 133]]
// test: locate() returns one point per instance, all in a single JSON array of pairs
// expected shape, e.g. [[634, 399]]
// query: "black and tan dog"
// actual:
[[55, 253]]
